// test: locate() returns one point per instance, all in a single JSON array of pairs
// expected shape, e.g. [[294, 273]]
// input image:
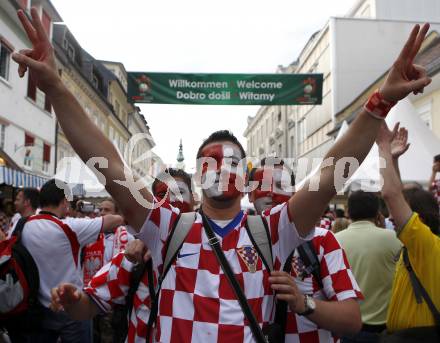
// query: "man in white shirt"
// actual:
[[26, 204], [54, 244]]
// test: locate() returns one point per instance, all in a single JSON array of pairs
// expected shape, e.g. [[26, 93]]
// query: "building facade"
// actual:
[[30, 147], [351, 52], [101, 89]]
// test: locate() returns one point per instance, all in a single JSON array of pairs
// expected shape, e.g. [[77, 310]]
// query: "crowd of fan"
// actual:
[[217, 273]]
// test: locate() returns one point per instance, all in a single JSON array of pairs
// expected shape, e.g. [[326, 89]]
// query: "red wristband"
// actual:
[[377, 106]]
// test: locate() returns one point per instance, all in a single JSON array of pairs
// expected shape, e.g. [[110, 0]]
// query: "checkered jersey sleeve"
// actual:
[[157, 226], [337, 278], [284, 235], [110, 284]]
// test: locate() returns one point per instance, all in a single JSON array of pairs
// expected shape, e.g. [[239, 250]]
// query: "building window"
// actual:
[[40, 99], [292, 146], [28, 140], [2, 136], [280, 150], [5, 54], [302, 131], [425, 114], [46, 157], [279, 117], [32, 88], [70, 50], [117, 108], [47, 104], [96, 79], [28, 158]]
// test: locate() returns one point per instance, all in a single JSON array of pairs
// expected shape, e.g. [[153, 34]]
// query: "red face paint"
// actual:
[[227, 158], [160, 191], [270, 188]]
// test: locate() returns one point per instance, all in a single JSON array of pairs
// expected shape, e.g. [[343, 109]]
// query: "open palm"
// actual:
[[399, 144]]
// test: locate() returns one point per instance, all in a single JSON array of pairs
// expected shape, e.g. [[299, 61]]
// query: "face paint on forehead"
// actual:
[[273, 185], [221, 151], [160, 190], [184, 192], [221, 182]]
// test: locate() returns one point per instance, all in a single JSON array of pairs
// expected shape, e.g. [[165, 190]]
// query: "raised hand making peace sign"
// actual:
[[404, 76], [39, 60]]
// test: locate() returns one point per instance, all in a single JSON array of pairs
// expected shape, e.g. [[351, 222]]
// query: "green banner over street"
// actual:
[[225, 89]]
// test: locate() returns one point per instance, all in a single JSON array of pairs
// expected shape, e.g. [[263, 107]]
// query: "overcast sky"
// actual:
[[228, 36]]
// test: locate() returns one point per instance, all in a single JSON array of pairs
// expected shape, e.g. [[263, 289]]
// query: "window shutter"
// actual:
[[28, 140], [46, 153]]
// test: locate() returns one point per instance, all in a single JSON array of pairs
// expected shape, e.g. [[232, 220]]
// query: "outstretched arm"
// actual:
[[86, 139], [306, 206], [111, 221], [392, 186]]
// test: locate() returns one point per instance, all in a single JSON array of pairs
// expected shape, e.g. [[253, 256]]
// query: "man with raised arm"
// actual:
[[196, 301], [417, 221]]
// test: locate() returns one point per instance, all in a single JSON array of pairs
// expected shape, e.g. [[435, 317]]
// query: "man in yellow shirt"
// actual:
[[417, 226]]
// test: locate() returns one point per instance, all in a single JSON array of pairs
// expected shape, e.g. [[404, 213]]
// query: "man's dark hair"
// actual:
[[51, 194], [383, 209], [33, 195], [363, 205], [340, 213], [424, 203], [277, 161], [219, 136], [173, 172], [437, 158]]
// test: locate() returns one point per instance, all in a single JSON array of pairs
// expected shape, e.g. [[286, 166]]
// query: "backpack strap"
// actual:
[[71, 236], [258, 232], [419, 291], [135, 280], [311, 262], [281, 305], [176, 239], [19, 228]]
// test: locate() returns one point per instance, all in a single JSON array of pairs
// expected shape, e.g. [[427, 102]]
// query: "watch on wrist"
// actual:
[[309, 305]]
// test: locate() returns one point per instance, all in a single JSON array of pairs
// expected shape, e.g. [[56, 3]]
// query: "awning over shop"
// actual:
[[18, 178]]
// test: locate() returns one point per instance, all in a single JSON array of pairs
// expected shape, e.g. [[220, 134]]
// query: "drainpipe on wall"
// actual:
[[56, 147]]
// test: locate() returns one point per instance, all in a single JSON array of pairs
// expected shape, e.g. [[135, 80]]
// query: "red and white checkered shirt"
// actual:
[[109, 287], [196, 303], [436, 190], [338, 284]]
